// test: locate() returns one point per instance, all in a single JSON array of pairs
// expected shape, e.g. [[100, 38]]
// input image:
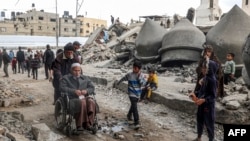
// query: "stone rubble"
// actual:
[[12, 126], [11, 94]]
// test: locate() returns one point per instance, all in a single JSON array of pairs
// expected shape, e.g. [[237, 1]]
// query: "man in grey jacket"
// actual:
[[79, 87]]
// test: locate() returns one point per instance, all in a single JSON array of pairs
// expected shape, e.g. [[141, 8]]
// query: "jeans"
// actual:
[[133, 109]]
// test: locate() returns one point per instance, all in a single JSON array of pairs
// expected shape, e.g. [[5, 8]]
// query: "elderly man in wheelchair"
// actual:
[[77, 102]]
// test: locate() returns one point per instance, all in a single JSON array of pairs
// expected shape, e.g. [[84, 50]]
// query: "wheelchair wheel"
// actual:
[[60, 113]]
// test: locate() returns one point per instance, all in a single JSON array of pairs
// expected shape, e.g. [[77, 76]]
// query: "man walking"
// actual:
[[6, 61], [20, 59], [62, 66], [48, 58]]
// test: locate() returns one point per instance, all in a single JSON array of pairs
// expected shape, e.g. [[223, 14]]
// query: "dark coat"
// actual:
[[20, 57], [62, 65], [48, 56], [69, 84], [6, 58]]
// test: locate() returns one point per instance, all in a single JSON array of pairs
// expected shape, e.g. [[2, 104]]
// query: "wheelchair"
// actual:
[[64, 115]]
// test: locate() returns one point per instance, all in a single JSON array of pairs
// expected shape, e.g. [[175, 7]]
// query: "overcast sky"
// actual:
[[102, 9]]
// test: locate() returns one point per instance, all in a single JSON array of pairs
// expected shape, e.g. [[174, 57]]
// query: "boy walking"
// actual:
[[205, 99], [13, 64], [229, 69], [135, 82]]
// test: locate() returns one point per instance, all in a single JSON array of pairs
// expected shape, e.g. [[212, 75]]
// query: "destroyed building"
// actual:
[[229, 35]]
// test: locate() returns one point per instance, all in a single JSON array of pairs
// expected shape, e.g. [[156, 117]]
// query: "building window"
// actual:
[[65, 21], [66, 29], [16, 29], [74, 21], [81, 30], [74, 30], [97, 25], [87, 31], [81, 23], [211, 3], [40, 18], [87, 24], [39, 27], [31, 17], [53, 20], [54, 29], [246, 2], [2, 29]]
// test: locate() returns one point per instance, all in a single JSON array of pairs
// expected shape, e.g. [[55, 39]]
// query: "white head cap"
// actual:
[[75, 65]]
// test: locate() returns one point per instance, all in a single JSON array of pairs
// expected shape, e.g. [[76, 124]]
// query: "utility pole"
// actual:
[[56, 27], [78, 7]]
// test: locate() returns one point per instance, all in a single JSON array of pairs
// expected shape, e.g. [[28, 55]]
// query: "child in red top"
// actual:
[[13, 64]]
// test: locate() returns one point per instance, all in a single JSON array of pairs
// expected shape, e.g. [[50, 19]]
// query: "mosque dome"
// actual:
[[182, 44]]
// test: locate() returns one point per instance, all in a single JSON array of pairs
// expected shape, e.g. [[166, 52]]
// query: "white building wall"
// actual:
[[207, 15], [246, 6]]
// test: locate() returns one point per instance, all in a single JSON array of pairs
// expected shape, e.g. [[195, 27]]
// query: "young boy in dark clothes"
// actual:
[[135, 81], [205, 99], [35, 64], [13, 64]]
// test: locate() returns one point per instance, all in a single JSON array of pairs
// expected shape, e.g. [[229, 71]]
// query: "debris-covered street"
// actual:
[[158, 122]]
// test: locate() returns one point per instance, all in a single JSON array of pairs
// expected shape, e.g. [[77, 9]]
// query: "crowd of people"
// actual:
[[65, 72]]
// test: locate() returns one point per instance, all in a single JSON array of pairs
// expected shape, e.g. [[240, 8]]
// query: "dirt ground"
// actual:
[[158, 122]]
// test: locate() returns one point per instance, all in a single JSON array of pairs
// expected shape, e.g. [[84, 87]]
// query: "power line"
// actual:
[[17, 2]]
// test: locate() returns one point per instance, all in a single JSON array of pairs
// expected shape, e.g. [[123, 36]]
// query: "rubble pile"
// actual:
[[96, 53], [11, 94], [12, 127], [116, 43], [236, 95]]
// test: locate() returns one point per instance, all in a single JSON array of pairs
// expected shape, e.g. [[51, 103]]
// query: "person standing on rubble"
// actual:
[[229, 69], [205, 99], [112, 19], [208, 53], [135, 81]]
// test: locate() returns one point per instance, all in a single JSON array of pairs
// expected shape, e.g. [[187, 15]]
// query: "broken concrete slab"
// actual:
[[16, 137], [42, 133], [93, 36]]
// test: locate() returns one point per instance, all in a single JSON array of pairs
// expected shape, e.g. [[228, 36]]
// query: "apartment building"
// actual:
[[88, 25], [41, 23], [246, 6]]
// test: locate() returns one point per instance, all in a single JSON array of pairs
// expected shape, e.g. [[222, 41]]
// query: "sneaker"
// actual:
[[137, 126]]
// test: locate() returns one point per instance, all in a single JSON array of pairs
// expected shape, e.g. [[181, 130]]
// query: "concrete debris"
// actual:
[[12, 127], [11, 94], [42, 133]]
